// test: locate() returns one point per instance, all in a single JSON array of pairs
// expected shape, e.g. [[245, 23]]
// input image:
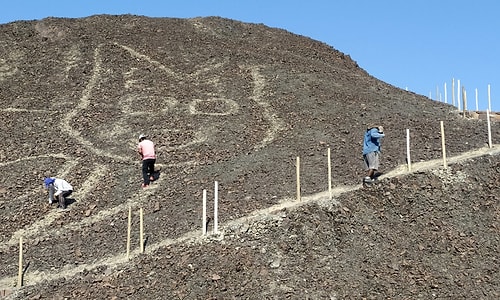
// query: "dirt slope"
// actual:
[[234, 103]]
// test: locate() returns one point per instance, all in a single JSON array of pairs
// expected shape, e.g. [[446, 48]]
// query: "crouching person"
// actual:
[[58, 189]]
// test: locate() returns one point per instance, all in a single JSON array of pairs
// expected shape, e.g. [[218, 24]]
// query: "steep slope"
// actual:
[[224, 101]]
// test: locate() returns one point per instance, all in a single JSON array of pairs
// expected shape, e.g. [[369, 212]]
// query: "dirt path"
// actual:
[[436, 163], [114, 262]]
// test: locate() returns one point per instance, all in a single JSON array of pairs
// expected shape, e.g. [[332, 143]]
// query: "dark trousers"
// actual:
[[148, 168], [62, 198]]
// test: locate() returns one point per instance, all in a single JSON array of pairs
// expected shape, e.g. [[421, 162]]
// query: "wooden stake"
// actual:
[[477, 102], [489, 127], [489, 98], [443, 145], [216, 208], [204, 216], [20, 274], [129, 229], [453, 91], [329, 174], [141, 230], [464, 99], [298, 178], [408, 149]]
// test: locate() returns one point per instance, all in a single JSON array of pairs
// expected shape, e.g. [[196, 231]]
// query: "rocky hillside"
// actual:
[[232, 103]]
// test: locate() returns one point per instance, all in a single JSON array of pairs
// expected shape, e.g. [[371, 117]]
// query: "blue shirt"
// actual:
[[371, 141]]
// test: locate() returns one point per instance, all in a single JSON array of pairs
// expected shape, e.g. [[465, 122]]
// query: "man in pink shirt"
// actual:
[[146, 149]]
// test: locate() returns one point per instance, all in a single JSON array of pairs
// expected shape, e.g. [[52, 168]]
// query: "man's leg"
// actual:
[[52, 190], [145, 170], [367, 167], [375, 165], [151, 168], [65, 195], [372, 162], [62, 201]]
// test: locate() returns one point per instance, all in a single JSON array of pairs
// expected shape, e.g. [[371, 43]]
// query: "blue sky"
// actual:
[[420, 45]]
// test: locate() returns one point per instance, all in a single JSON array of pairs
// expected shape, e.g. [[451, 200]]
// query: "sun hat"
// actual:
[[47, 181]]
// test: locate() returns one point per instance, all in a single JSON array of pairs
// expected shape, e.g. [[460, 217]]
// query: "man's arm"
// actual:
[[139, 151], [376, 134], [51, 193]]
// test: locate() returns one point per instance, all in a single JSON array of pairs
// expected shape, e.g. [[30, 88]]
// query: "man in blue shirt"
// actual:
[[371, 150]]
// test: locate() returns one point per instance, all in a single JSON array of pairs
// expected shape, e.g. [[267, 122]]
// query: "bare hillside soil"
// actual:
[[234, 103]]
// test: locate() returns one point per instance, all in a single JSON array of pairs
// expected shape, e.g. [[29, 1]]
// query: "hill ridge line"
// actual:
[[195, 236]]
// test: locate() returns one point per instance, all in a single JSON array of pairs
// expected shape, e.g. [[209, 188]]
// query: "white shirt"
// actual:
[[61, 185]]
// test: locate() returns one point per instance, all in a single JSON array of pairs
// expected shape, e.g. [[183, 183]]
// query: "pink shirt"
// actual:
[[147, 149]]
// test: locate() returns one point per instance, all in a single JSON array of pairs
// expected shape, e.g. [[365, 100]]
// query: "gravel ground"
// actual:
[[235, 103]]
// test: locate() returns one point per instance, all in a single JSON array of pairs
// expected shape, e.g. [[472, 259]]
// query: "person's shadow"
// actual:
[[70, 201]]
